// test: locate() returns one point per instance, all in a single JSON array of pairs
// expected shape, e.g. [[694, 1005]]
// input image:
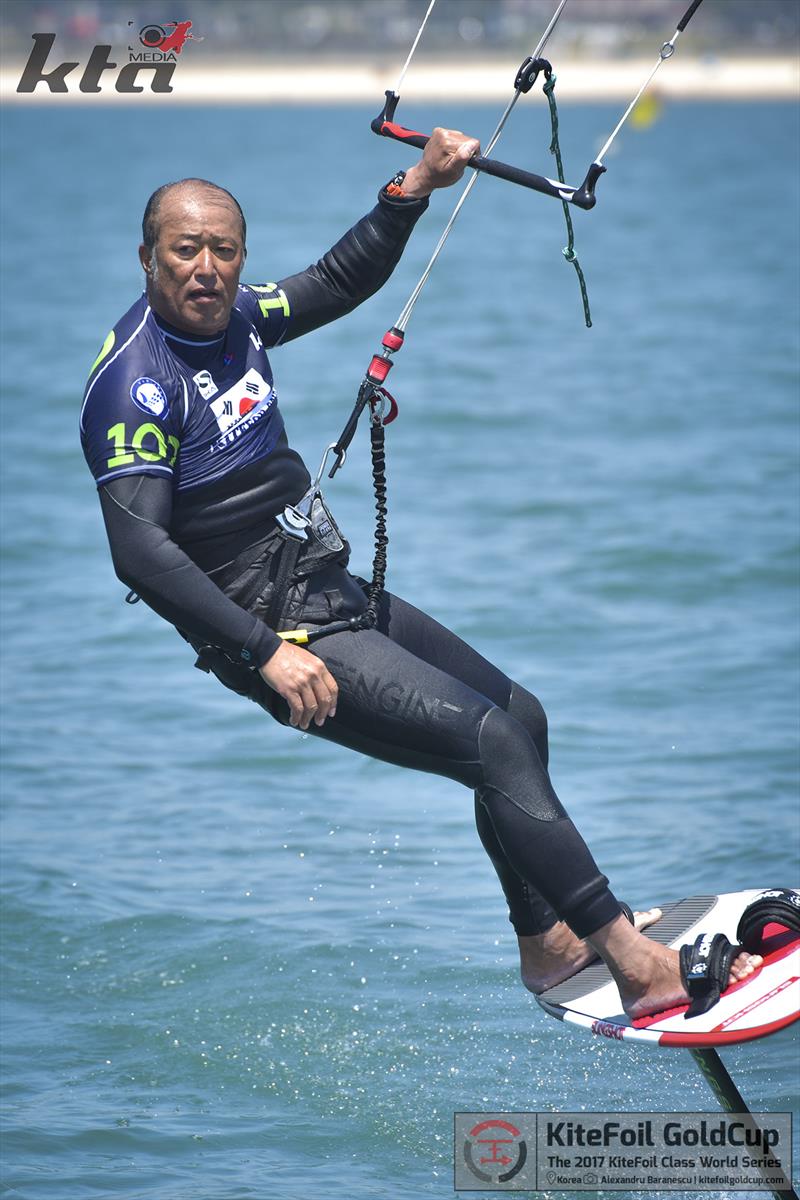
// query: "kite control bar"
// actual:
[[582, 197]]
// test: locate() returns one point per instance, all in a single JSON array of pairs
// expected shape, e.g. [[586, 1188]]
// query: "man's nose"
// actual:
[[204, 265]]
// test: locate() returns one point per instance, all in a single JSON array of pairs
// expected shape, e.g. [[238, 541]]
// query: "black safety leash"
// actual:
[[372, 394]]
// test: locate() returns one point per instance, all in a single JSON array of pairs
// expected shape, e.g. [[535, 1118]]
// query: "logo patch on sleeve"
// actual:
[[149, 396]]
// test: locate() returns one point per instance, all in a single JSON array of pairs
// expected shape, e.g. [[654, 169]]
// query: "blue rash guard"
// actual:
[[186, 440], [201, 412]]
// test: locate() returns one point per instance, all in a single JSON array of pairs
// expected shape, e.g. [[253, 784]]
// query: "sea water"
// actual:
[[242, 963]]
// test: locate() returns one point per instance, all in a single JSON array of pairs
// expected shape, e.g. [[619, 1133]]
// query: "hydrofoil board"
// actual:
[[763, 1003]]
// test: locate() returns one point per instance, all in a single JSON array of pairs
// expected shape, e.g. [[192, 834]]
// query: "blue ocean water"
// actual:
[[238, 963]]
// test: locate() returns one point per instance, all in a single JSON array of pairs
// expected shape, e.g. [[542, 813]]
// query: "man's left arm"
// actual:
[[361, 261]]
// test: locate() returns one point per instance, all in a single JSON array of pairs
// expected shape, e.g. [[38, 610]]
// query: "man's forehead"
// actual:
[[201, 208]]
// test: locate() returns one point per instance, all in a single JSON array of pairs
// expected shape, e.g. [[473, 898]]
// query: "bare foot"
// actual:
[[664, 988], [549, 958], [648, 974]]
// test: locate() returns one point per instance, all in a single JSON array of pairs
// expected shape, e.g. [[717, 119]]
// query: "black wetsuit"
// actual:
[[187, 444]]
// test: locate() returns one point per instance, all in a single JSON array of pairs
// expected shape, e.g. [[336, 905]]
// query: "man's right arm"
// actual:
[[137, 510]]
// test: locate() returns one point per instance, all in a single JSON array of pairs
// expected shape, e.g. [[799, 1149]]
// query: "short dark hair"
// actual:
[[153, 208]]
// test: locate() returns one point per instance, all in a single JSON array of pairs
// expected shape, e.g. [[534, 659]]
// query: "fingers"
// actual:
[[467, 149], [304, 682], [315, 699], [445, 157]]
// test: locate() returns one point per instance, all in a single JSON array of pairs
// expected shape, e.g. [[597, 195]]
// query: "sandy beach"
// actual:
[[339, 82]]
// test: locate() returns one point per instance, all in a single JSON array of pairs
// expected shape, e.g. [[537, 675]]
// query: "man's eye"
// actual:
[[226, 252], [186, 251]]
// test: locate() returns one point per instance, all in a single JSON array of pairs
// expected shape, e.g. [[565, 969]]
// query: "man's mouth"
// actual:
[[204, 294]]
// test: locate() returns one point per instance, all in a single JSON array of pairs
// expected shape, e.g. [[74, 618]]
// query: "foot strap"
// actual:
[[779, 906], [705, 969]]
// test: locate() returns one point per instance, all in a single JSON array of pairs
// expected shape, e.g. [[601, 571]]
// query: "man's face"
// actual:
[[193, 275]]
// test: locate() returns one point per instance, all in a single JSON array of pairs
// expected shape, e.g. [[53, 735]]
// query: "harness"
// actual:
[[297, 519], [296, 548]]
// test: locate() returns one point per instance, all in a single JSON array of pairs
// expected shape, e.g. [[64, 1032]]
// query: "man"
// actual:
[[182, 431]]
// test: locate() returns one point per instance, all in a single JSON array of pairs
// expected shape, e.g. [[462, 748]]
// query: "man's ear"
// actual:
[[146, 259]]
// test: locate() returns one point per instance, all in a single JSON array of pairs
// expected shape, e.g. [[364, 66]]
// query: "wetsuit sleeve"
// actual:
[[351, 271], [137, 512]]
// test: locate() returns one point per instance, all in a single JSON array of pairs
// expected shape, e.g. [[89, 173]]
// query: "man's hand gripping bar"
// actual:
[[582, 197]]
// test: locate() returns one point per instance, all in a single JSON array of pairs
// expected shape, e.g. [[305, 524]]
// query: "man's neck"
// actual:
[[185, 335]]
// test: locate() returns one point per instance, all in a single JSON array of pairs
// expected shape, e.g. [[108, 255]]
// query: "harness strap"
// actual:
[[288, 554]]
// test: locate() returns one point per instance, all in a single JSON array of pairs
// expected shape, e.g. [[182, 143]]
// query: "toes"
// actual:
[[744, 965], [641, 920]]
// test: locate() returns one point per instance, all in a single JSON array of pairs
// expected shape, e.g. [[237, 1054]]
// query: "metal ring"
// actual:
[[377, 408]]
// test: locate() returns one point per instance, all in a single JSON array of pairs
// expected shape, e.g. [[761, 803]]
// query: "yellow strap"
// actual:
[[300, 636]]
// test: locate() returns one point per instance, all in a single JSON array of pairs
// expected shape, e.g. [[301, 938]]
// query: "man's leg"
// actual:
[[421, 635], [395, 706], [398, 708], [549, 951]]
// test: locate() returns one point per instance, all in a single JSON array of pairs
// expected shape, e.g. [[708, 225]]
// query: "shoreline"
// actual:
[[262, 82]]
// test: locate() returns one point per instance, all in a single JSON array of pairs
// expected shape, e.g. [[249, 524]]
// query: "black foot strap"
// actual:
[[780, 906], [705, 969]]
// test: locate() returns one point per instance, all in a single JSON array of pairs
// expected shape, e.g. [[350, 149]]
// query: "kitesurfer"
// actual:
[[182, 430]]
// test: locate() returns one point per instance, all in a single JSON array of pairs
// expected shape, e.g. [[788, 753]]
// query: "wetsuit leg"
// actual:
[[528, 912], [397, 707]]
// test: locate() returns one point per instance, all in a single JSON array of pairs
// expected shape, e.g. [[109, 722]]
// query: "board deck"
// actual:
[[759, 1005]]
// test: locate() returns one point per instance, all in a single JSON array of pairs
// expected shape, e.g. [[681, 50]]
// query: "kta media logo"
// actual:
[[158, 56]]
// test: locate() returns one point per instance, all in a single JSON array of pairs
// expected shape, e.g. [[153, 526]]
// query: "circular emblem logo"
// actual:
[[151, 36], [495, 1151], [149, 396]]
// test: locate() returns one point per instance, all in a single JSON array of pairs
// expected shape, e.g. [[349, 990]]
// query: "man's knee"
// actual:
[[512, 768], [525, 708]]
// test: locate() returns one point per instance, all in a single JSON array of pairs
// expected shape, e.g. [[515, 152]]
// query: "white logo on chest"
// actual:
[[205, 384], [240, 402]]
